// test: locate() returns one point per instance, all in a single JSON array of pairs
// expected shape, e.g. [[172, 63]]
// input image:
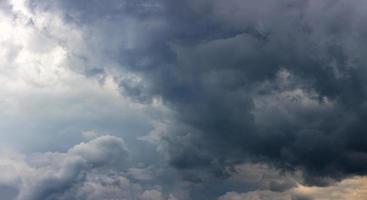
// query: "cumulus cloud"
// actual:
[[90, 170], [45, 174]]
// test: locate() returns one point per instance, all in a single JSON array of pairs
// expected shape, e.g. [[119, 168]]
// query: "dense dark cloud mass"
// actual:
[[275, 82], [281, 82]]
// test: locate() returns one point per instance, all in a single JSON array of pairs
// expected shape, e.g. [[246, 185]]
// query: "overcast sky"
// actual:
[[183, 100]]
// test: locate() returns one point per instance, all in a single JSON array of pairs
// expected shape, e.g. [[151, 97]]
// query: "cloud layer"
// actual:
[[278, 82], [221, 92]]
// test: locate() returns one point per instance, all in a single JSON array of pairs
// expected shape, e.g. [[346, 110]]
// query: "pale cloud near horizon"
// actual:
[[351, 188]]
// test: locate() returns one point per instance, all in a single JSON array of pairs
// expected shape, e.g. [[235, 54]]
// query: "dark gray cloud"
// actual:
[[279, 82], [217, 81]]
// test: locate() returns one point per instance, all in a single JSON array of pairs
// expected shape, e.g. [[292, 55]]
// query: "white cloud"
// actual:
[[92, 170], [43, 174]]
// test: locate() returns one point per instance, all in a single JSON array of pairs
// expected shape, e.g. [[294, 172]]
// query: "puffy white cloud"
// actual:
[[103, 150], [91, 170], [40, 175], [106, 186]]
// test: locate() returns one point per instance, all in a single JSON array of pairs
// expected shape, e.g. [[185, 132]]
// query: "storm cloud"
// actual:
[[280, 84]]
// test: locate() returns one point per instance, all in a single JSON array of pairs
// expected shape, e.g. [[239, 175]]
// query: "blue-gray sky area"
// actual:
[[183, 100]]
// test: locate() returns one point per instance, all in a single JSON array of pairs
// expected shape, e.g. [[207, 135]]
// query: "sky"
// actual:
[[183, 100]]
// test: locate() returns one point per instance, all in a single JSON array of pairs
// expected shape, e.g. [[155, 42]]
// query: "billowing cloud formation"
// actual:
[[279, 82], [93, 170], [44, 175]]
